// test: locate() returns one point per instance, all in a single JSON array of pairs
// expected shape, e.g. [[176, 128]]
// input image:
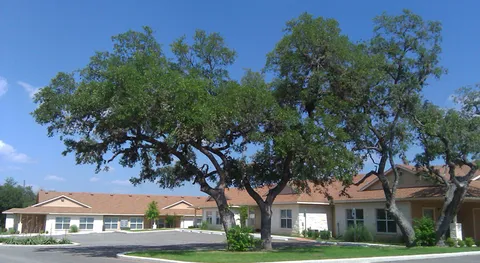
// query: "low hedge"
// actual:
[[35, 240]]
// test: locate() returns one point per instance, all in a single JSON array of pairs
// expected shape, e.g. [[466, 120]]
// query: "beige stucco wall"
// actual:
[[369, 214], [407, 179], [180, 206], [60, 203], [74, 220]]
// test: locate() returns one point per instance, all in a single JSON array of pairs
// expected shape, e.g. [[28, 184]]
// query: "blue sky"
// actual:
[[41, 38]]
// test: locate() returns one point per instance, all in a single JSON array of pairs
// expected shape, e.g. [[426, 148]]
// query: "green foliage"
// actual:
[[73, 229], [477, 243], [204, 225], [358, 234], [325, 235], [469, 242], [170, 221], [35, 240], [152, 212], [243, 215], [240, 239], [450, 242], [425, 232], [460, 243], [11, 231], [13, 195]]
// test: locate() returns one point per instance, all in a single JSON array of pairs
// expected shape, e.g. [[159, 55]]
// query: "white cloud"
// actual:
[[3, 86], [31, 90], [8, 153], [54, 178], [94, 179], [121, 182]]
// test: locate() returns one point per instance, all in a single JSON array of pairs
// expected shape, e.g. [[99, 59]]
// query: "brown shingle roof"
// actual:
[[114, 204]]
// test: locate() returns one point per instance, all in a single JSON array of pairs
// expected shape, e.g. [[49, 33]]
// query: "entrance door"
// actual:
[[476, 222]]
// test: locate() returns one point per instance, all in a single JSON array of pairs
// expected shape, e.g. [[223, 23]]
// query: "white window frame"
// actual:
[[111, 223], [134, 223], [87, 223], [284, 217], [209, 216], [384, 221], [64, 222], [429, 208], [356, 221], [217, 218]]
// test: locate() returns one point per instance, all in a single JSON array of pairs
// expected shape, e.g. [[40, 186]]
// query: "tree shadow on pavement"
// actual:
[[111, 251]]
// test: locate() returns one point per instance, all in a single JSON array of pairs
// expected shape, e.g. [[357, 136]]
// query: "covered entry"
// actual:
[[32, 223]]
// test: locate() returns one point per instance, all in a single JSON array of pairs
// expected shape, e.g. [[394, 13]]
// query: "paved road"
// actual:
[[102, 248], [463, 259]]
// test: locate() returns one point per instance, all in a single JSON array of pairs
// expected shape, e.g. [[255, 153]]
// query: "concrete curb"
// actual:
[[354, 244], [53, 246], [341, 260], [143, 232], [210, 232]]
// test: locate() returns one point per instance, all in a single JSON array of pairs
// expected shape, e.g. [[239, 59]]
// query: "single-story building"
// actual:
[[56, 212], [328, 208]]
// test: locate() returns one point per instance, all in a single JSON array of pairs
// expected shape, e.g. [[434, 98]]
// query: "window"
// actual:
[[136, 223], [86, 223], [354, 219], [428, 213], [62, 223], [217, 218], [110, 222], [161, 223], [286, 218], [209, 217], [385, 222]]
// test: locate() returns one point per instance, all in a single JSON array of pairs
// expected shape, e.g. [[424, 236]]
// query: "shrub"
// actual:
[[460, 243], [204, 225], [359, 234], [240, 239], [450, 242], [325, 234], [11, 231], [425, 232], [477, 243], [35, 240], [73, 229], [469, 242], [125, 228]]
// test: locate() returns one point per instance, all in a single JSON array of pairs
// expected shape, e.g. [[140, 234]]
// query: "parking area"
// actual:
[[102, 248]]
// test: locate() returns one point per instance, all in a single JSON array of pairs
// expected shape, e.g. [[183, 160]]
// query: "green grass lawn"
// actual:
[[294, 253]]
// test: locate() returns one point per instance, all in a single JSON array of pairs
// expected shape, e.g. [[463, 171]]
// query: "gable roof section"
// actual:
[[408, 168], [177, 203], [60, 197], [111, 204]]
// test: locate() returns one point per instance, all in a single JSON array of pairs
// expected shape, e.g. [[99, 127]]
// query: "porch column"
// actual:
[[455, 229], [19, 227], [195, 218]]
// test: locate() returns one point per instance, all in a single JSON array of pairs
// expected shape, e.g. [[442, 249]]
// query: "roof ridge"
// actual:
[[66, 193]]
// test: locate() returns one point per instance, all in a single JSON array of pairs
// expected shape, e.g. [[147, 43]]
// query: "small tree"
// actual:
[[152, 213], [243, 215], [170, 221]]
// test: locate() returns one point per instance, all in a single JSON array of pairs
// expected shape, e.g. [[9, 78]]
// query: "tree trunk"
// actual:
[[402, 222], [454, 197], [226, 215], [266, 227]]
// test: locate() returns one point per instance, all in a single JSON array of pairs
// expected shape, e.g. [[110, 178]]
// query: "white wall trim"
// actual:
[[312, 203], [178, 202], [59, 197]]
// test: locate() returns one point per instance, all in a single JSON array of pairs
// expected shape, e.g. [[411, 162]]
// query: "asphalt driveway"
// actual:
[[102, 248]]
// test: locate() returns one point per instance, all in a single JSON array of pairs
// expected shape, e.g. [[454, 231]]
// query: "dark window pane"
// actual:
[[289, 223], [349, 214], [389, 216], [381, 226], [283, 223], [83, 220], [90, 226], [58, 226], [283, 213], [392, 227], [289, 213], [359, 222], [381, 214], [359, 213], [350, 223]]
